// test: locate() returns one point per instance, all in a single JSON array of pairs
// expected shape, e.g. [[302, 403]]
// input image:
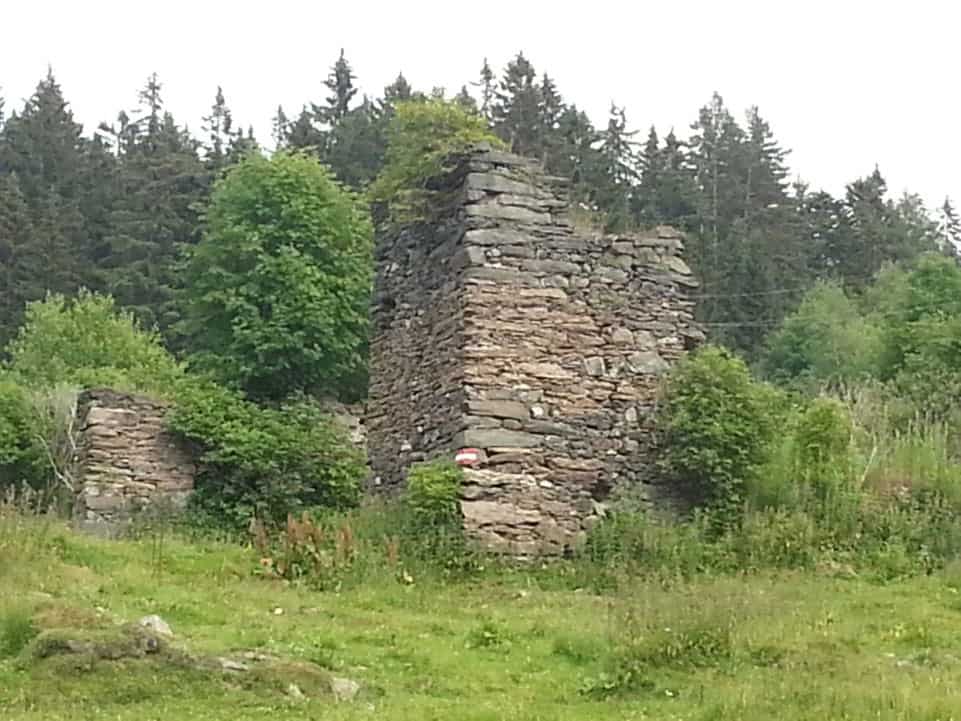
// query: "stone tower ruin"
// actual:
[[500, 326]]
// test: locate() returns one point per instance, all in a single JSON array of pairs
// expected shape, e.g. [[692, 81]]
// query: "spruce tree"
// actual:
[[949, 228], [675, 192], [16, 234], [766, 180], [466, 100], [487, 91], [221, 136], [280, 127], [397, 92], [44, 147], [576, 156], [619, 170], [303, 134], [550, 109], [160, 182], [356, 145], [516, 112], [340, 83], [646, 210]]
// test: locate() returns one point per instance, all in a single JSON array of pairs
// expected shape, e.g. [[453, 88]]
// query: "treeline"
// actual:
[[111, 210]]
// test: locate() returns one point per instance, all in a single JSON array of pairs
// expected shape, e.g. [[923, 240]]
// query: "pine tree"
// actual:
[[159, 182], [466, 100], [397, 92], [675, 193], [280, 127], [714, 159], [516, 113], [855, 236], [356, 146], [645, 210], [550, 109], [767, 172], [43, 146], [340, 83], [576, 156], [487, 91], [15, 237], [619, 170], [949, 228], [303, 134], [221, 136]]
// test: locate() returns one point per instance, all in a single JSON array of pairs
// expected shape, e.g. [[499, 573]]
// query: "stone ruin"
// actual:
[[501, 326], [126, 461], [498, 325]]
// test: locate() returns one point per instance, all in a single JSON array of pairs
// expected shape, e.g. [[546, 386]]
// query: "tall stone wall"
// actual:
[[502, 327], [126, 460]]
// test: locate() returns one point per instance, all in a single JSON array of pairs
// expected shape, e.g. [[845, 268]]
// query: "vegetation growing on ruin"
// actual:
[[422, 136]]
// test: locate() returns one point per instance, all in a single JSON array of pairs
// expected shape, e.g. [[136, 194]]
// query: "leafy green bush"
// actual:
[[433, 495], [421, 136], [87, 341], [810, 467], [715, 425], [22, 459], [277, 290], [825, 341], [264, 463]]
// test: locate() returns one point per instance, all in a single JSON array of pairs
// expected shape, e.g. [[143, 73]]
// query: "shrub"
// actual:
[[433, 495], [812, 466], [88, 341], [825, 341], [265, 463], [715, 424], [22, 459], [421, 136], [277, 290]]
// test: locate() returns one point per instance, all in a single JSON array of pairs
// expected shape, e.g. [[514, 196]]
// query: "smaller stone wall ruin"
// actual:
[[126, 460]]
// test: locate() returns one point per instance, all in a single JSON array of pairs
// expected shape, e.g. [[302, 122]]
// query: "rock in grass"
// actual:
[[157, 625], [344, 689]]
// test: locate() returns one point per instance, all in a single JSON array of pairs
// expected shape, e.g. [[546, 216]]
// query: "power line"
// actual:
[[890, 315]]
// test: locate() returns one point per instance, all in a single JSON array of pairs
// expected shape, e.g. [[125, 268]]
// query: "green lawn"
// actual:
[[511, 646]]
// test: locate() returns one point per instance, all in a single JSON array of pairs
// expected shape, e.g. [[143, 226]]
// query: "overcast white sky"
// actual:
[[845, 84]]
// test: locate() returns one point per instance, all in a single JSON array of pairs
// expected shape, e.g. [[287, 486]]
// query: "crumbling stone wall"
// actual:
[[126, 460], [500, 326]]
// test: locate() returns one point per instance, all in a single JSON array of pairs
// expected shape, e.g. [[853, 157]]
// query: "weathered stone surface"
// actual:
[[495, 237], [499, 409], [497, 438], [507, 212], [126, 460], [595, 366], [677, 265], [542, 350], [498, 513], [647, 362], [498, 183], [549, 371], [551, 267]]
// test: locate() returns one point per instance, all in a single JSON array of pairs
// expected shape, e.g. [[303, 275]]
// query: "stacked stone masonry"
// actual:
[[502, 327], [127, 460]]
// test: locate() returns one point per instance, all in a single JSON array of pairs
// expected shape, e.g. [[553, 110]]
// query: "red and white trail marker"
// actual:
[[467, 457]]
